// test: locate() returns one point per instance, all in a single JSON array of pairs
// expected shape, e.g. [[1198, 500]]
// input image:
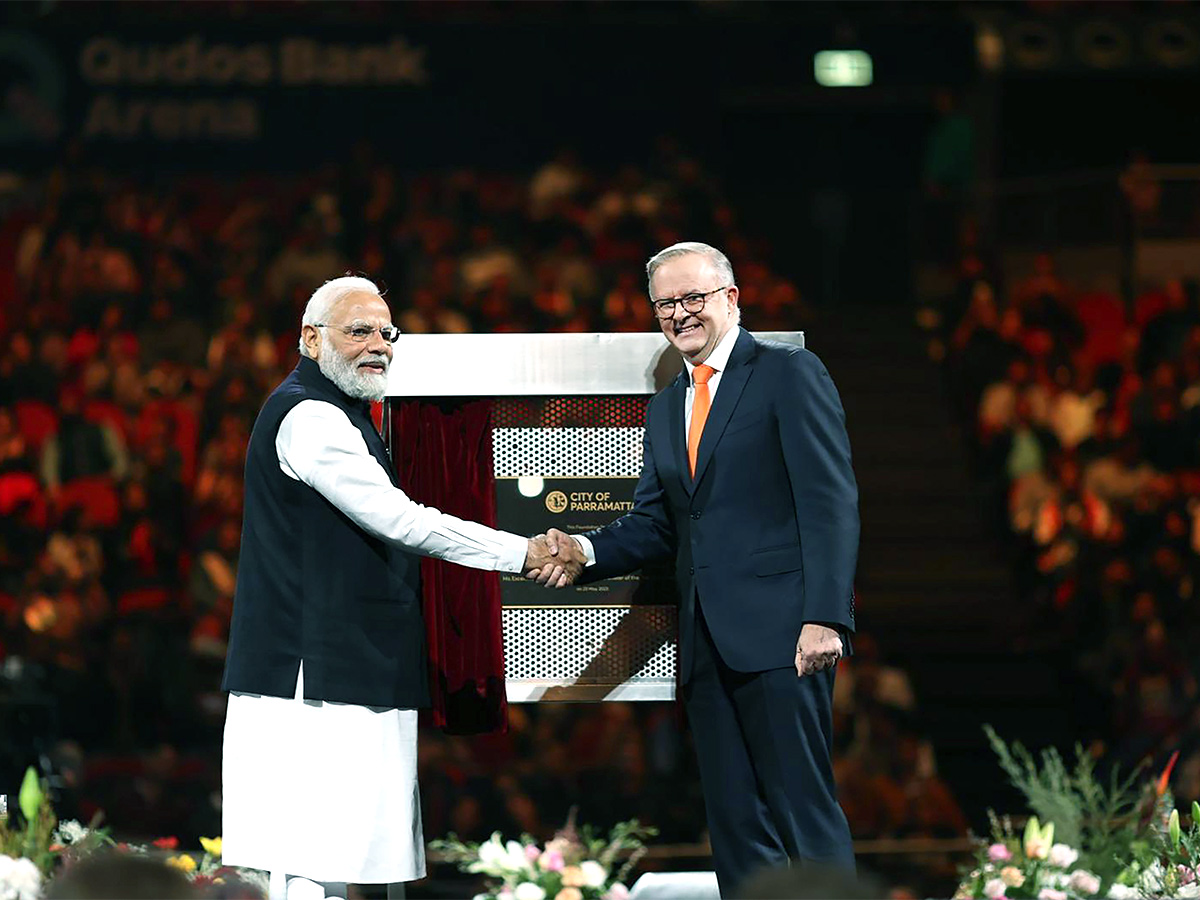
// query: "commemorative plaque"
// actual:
[[567, 415], [531, 504]]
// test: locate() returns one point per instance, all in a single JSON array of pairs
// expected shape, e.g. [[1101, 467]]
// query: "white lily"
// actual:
[[493, 857], [527, 890], [517, 859], [594, 874]]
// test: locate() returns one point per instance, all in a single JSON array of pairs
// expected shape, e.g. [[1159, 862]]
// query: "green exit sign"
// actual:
[[843, 68]]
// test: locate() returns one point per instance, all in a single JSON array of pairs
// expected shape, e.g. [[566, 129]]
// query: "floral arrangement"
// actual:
[[209, 870], [1122, 840], [1032, 866], [35, 845], [573, 865], [1165, 865]]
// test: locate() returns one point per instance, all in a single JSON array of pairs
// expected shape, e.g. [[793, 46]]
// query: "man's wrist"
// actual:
[[589, 552], [514, 555]]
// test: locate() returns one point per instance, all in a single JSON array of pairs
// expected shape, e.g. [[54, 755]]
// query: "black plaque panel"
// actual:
[[575, 505]]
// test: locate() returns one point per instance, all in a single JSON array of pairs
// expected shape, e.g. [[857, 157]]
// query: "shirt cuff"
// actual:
[[589, 552], [513, 551]]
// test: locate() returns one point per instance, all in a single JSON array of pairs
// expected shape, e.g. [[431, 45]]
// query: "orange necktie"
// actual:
[[700, 404]]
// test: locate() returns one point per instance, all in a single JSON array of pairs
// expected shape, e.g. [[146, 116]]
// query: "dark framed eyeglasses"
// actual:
[[691, 303], [361, 333]]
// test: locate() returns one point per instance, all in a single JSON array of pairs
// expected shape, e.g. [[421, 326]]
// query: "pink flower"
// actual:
[[1083, 882], [1062, 856], [994, 889], [1048, 893], [999, 853], [1187, 875], [532, 852], [618, 891], [551, 861]]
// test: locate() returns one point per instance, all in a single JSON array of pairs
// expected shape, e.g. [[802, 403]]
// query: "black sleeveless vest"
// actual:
[[313, 586]]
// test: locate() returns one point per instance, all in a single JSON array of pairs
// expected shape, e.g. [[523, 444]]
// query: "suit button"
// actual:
[[691, 570], [695, 513]]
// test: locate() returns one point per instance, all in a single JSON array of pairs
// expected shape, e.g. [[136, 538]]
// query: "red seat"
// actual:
[[17, 488], [142, 600], [36, 421], [105, 412], [95, 496]]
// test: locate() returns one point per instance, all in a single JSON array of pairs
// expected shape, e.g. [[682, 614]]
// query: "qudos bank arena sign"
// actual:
[[194, 88], [236, 76]]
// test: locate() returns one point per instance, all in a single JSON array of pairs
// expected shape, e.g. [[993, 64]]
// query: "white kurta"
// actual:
[[329, 790]]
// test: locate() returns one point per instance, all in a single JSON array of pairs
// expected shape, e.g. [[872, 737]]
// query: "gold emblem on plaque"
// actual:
[[556, 501]]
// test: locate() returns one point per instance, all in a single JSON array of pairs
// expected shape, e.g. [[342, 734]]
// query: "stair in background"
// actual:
[[932, 586]]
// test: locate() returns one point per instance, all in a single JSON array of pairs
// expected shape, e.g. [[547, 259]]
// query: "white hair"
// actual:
[[686, 248], [327, 296], [718, 259]]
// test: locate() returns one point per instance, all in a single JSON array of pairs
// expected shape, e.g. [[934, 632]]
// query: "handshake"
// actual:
[[554, 559]]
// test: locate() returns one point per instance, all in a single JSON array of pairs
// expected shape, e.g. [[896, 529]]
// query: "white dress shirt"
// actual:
[[329, 790], [719, 361], [318, 444]]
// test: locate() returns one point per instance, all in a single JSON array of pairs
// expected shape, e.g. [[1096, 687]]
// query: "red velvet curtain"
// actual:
[[443, 457]]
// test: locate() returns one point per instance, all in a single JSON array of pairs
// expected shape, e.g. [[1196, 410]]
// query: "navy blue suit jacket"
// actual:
[[766, 534]]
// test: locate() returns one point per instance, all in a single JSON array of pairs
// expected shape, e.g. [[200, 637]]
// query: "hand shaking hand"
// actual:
[[554, 559]]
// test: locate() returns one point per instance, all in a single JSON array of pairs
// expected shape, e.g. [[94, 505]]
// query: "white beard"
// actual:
[[351, 380]]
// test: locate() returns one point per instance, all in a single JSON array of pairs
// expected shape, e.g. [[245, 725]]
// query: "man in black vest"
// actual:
[[326, 665]]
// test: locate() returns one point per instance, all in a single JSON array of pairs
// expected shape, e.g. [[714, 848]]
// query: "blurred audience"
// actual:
[[153, 319], [1086, 429]]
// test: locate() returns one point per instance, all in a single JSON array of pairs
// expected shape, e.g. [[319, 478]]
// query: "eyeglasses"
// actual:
[[691, 303], [362, 333]]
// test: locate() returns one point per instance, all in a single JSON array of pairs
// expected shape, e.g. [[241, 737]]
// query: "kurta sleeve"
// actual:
[[319, 446]]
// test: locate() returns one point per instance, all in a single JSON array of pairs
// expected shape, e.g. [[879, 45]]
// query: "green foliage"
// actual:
[[37, 835], [31, 796], [1100, 820], [626, 839], [1177, 846], [31, 834], [1094, 839]]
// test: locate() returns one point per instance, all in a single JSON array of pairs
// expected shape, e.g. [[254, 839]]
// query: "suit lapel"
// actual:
[[729, 392]]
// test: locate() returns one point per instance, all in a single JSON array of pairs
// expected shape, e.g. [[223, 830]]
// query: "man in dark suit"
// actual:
[[746, 479]]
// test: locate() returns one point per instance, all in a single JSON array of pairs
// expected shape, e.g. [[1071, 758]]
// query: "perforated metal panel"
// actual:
[[580, 412], [567, 452], [602, 648], [580, 653]]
